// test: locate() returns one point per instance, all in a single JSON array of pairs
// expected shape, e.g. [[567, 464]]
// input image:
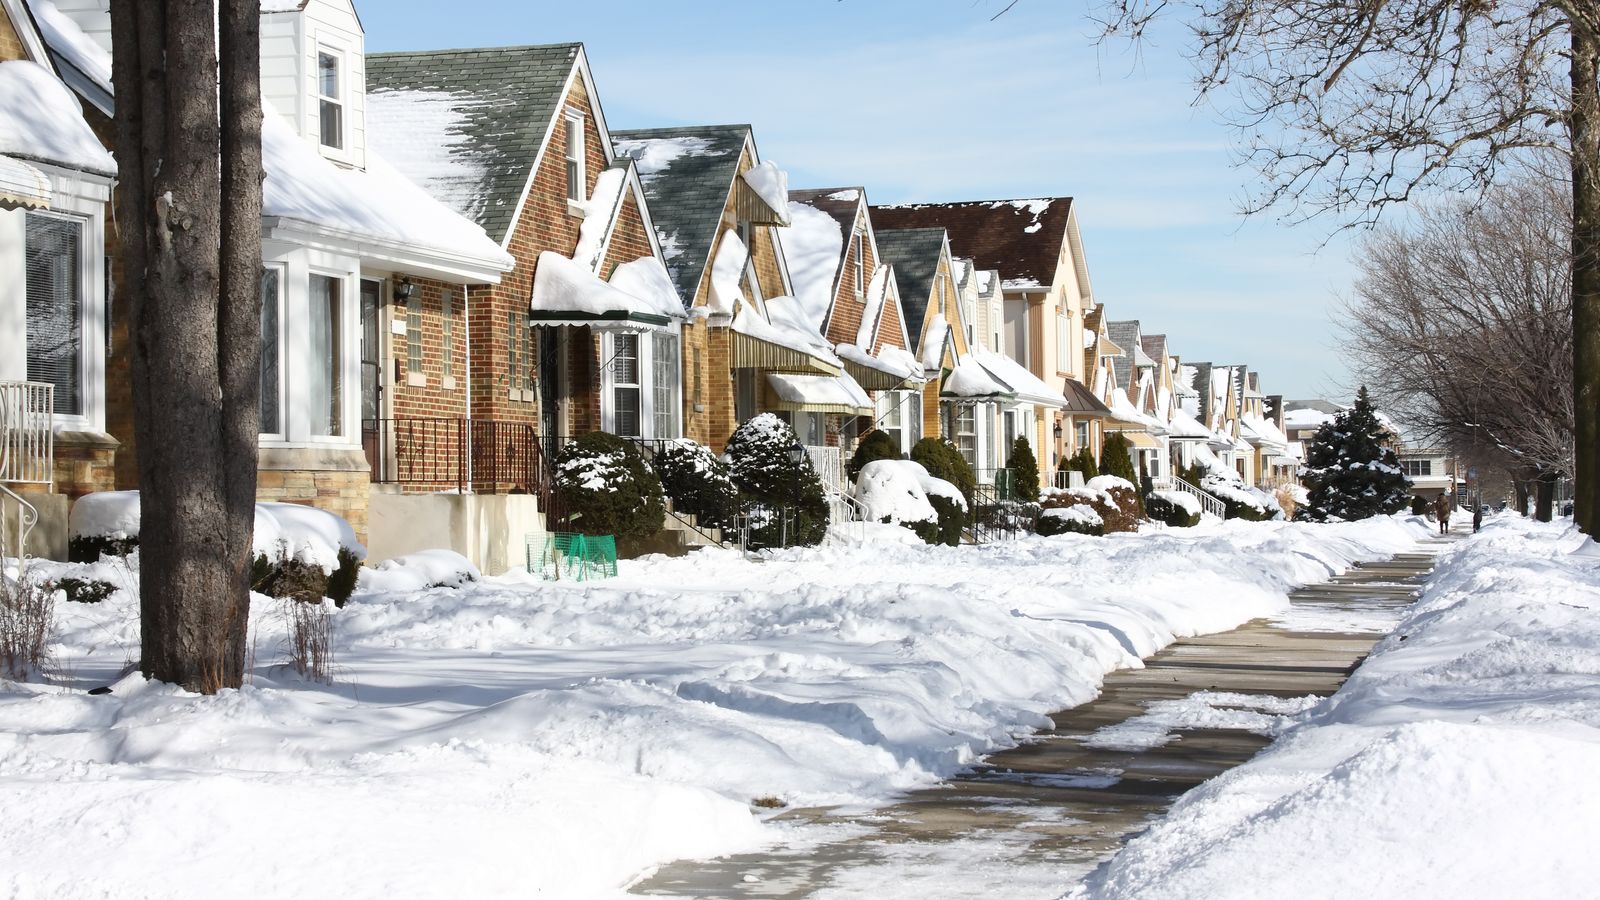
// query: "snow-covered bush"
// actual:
[[105, 523], [1419, 506], [943, 460], [1174, 508], [1080, 519], [770, 482], [902, 492], [304, 553], [1350, 470], [1113, 500], [85, 590], [1241, 502], [875, 446], [698, 483], [420, 571], [608, 487]]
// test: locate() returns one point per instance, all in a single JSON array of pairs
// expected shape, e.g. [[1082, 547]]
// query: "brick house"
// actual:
[[748, 346], [1036, 247], [852, 297], [344, 237]]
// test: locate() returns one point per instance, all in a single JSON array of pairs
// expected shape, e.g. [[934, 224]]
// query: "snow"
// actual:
[[652, 155], [1183, 500], [1027, 386], [970, 379], [891, 491], [890, 359], [562, 285], [1457, 762], [646, 279], [847, 195], [933, 343], [785, 325], [727, 269], [577, 734], [65, 37], [1078, 515], [419, 571], [831, 390], [424, 135], [288, 530], [598, 212], [872, 308], [771, 184], [41, 120], [813, 246]]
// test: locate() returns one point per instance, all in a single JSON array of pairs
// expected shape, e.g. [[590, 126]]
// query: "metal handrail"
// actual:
[[1208, 502], [652, 446]]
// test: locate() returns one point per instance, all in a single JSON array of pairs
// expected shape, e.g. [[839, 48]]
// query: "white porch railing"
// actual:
[[1208, 502], [27, 456], [829, 463]]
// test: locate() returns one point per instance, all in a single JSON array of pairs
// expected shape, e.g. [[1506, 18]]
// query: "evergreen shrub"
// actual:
[[608, 487], [769, 481], [698, 482]]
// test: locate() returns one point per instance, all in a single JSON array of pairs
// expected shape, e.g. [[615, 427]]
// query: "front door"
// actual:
[[371, 371]]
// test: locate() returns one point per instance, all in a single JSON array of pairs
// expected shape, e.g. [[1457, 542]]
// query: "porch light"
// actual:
[[404, 290], [1058, 429], [797, 454]]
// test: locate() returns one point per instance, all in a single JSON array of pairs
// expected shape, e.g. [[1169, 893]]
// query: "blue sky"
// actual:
[[923, 100]]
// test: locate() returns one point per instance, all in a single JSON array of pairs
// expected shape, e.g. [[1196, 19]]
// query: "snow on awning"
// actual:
[[1186, 427], [566, 293], [892, 369], [1027, 387], [1141, 440], [780, 340], [971, 381], [22, 186], [41, 121], [819, 394]]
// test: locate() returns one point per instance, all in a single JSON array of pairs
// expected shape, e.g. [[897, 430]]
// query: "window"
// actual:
[[699, 381], [330, 100], [575, 167], [970, 312], [1064, 343], [447, 327], [890, 415], [1417, 468], [271, 374], [861, 264], [1081, 433], [325, 380], [414, 332], [53, 254], [913, 427], [664, 375], [626, 390], [966, 431], [513, 360]]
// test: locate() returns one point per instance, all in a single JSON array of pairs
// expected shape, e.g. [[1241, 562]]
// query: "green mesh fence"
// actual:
[[572, 557]]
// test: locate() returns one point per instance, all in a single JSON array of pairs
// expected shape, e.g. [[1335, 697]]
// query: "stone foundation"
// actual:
[[337, 480], [85, 462]]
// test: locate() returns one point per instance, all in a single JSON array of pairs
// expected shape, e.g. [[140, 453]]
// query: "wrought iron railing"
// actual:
[[481, 456], [652, 447]]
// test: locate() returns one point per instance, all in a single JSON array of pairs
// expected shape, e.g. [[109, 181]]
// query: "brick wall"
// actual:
[[10, 44], [345, 494], [428, 393]]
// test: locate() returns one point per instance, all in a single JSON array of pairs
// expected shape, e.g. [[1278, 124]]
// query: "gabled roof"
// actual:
[[840, 203], [1023, 239], [914, 253], [1154, 346], [687, 174], [816, 244], [468, 125], [1126, 335]]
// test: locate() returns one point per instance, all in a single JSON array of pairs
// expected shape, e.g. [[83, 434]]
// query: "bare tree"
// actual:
[[1462, 324], [1350, 106], [188, 138]]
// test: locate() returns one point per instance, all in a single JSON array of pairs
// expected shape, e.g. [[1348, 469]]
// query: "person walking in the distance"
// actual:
[[1477, 517], [1441, 511]]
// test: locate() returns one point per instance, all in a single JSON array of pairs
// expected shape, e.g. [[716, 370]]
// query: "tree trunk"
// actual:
[[1545, 494], [193, 322], [1585, 128], [1519, 490]]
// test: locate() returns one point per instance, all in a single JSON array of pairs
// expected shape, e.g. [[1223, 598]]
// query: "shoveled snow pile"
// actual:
[[890, 490], [419, 571], [1458, 761], [575, 734]]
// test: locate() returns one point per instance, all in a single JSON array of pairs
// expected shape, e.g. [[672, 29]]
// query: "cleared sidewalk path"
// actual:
[[1031, 821]]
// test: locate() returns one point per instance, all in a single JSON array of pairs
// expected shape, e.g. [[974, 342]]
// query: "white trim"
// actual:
[[397, 256], [281, 434], [332, 44]]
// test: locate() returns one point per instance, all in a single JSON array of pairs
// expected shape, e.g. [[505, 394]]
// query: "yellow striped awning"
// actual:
[[755, 353]]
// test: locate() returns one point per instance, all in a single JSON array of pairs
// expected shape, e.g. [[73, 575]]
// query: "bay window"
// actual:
[[53, 250], [325, 382]]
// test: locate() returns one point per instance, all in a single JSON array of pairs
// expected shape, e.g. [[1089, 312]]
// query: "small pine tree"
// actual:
[[770, 482], [1083, 461], [1116, 458], [1024, 470], [943, 460], [1349, 472]]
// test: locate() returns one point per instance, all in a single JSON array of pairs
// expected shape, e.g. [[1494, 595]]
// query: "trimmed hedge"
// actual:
[[698, 482], [875, 446], [608, 487], [1160, 509], [1049, 526]]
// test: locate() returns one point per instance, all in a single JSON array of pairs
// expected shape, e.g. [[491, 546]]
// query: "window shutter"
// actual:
[[54, 261]]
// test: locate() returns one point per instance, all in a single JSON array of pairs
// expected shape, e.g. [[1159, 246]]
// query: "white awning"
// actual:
[[22, 186], [819, 393], [1028, 387], [566, 293], [971, 381]]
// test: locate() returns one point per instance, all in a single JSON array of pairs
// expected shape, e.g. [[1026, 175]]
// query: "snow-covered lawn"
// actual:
[[513, 737], [1462, 760]]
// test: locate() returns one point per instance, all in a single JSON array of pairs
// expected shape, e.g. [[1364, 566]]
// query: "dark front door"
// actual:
[[372, 373]]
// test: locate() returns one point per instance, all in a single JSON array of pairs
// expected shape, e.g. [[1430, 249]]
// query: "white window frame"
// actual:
[[575, 159], [83, 199], [347, 364], [341, 58], [646, 385], [280, 433], [860, 268], [1064, 342]]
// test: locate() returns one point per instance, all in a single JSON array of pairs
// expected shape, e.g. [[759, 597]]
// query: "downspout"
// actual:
[[466, 327]]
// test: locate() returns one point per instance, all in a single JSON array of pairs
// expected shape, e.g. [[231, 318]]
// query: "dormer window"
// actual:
[[331, 99], [575, 162]]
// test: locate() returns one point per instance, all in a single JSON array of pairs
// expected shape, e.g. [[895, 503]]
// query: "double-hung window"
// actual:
[[325, 378], [967, 433], [330, 99], [1064, 343], [890, 416], [626, 389], [53, 248], [861, 264], [271, 367], [573, 123], [664, 376]]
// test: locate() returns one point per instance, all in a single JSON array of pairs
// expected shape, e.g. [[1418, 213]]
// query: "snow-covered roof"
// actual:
[[820, 393], [813, 244], [969, 379], [784, 325], [890, 360], [1184, 425], [1024, 384], [41, 121], [771, 184], [933, 343], [725, 296], [567, 292]]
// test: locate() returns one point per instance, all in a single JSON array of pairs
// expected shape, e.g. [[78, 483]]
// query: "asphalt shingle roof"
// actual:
[[467, 124], [1022, 239], [1124, 335], [687, 174], [914, 253]]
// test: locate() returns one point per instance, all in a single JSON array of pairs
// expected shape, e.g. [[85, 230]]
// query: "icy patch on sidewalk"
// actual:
[[1163, 719]]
